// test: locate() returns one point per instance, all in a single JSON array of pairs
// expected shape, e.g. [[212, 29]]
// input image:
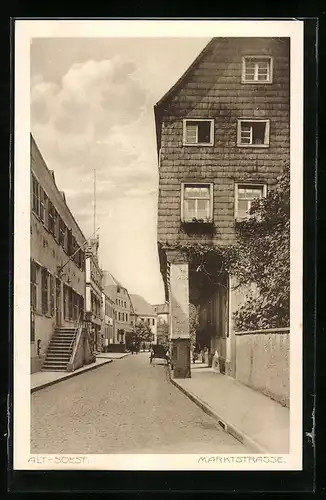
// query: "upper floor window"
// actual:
[[244, 196], [36, 196], [253, 133], [198, 132], [197, 202], [43, 205], [257, 69]]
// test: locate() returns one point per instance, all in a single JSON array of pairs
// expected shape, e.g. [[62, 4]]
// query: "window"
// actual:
[[257, 69], [51, 225], [70, 303], [198, 132], [43, 205], [44, 285], [253, 133], [36, 196], [62, 232], [51, 281], [244, 195], [125, 304], [197, 202], [69, 243], [34, 285], [153, 322]]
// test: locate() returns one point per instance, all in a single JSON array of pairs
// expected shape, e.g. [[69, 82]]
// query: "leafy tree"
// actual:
[[163, 334], [262, 256], [141, 332], [193, 323]]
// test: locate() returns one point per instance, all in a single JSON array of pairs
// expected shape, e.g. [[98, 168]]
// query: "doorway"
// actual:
[[58, 302]]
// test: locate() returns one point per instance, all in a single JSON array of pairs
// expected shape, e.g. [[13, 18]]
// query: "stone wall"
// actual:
[[262, 362]]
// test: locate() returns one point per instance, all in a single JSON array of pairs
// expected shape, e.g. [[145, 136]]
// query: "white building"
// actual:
[[94, 294], [143, 311]]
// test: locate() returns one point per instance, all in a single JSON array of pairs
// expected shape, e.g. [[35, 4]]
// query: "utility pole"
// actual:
[[94, 225]]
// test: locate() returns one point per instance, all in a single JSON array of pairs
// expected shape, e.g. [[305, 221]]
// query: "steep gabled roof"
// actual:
[[110, 280], [141, 307], [159, 105], [161, 308]]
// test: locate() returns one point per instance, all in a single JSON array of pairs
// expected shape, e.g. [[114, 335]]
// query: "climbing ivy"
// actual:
[[261, 255]]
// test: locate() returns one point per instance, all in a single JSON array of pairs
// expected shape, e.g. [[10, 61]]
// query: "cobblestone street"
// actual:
[[127, 406]]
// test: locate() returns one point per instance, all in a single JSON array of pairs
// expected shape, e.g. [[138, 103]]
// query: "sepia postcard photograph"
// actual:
[[158, 171]]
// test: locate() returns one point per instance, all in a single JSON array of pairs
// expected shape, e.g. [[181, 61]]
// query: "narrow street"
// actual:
[[127, 406]]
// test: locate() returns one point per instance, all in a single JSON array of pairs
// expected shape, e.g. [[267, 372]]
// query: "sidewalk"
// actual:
[[112, 355], [40, 380], [254, 419]]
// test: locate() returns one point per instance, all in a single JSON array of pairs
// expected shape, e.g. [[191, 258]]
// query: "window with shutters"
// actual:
[[198, 132], [43, 205], [244, 196], [197, 203], [36, 196], [70, 304], [34, 285], [51, 286], [62, 232], [51, 223], [69, 242], [253, 133], [257, 69], [45, 291]]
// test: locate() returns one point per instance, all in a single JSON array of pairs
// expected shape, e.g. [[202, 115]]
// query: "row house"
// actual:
[[94, 289], [222, 139], [143, 311], [122, 307], [162, 313], [108, 318], [57, 266]]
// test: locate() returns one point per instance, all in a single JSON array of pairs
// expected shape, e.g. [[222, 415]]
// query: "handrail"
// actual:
[[76, 331], [74, 343]]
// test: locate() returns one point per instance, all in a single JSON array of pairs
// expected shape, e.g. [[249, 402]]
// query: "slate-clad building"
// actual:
[[222, 139]]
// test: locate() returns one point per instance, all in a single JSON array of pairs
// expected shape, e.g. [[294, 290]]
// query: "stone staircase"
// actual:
[[60, 349]]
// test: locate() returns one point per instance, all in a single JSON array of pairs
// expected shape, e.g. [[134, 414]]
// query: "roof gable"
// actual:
[[141, 306], [159, 105]]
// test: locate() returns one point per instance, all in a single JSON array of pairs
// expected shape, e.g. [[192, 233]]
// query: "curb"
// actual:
[[70, 375], [226, 426]]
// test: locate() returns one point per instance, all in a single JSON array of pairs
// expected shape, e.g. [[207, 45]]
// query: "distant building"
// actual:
[[143, 311], [108, 318], [123, 307], [162, 312], [57, 275], [94, 293]]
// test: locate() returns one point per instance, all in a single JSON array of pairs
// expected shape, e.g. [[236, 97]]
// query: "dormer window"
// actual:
[[198, 132], [257, 69]]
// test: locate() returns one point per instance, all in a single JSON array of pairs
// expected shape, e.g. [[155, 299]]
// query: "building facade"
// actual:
[[162, 313], [57, 275], [123, 307], [94, 286], [108, 319], [222, 140], [145, 312]]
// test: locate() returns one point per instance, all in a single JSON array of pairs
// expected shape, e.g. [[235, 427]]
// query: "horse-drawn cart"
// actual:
[[159, 351]]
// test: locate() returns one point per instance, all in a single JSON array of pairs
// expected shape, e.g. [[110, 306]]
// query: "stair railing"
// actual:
[[75, 339]]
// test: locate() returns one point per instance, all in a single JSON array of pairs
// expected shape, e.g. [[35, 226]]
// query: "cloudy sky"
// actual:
[[92, 107]]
